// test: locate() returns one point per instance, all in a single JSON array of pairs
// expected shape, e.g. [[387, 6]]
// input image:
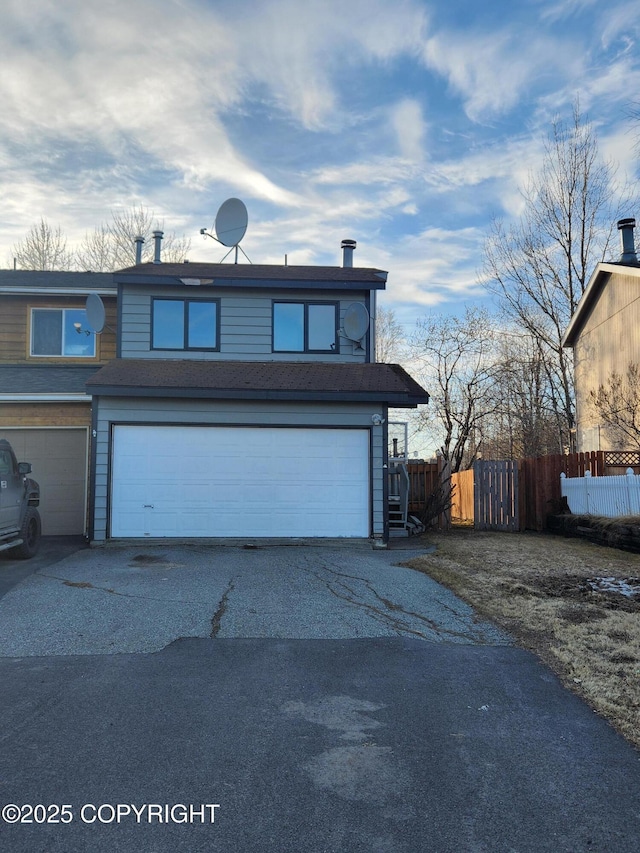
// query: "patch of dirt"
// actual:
[[587, 591], [573, 603]]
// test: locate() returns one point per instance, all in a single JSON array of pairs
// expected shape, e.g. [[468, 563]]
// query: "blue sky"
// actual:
[[406, 126]]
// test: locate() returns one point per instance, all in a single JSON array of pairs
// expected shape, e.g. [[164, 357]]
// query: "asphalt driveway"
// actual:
[[298, 700], [139, 599]]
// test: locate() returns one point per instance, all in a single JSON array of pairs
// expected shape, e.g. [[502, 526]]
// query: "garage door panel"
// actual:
[[59, 461], [210, 481]]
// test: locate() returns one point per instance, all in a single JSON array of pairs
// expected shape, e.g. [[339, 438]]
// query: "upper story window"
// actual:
[[305, 327], [185, 324], [61, 332]]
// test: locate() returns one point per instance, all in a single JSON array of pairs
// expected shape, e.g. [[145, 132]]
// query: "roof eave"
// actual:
[[590, 296], [254, 283], [396, 399]]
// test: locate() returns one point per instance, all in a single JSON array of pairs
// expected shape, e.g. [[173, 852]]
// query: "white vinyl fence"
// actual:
[[608, 496]]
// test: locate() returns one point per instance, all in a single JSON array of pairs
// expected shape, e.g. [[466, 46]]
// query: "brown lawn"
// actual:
[[545, 590]]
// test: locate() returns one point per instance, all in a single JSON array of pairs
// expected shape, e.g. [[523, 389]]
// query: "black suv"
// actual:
[[19, 496]]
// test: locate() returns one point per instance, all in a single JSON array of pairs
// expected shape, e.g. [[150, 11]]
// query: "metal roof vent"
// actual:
[[157, 236], [348, 247], [139, 241], [628, 256]]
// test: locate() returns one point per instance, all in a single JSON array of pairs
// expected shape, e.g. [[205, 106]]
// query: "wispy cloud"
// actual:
[[492, 71], [405, 126]]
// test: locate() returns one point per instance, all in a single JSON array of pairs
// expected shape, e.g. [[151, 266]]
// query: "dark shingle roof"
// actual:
[[44, 379], [270, 380]]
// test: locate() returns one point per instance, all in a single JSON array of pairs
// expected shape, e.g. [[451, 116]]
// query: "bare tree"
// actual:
[[523, 423], [617, 402], [456, 360], [44, 248], [389, 336], [540, 266], [112, 245]]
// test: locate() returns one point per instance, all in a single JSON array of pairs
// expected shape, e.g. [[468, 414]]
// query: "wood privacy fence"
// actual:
[[496, 496], [425, 479], [462, 506], [519, 495]]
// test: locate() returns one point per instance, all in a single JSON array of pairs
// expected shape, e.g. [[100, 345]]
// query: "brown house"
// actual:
[[604, 334], [47, 353]]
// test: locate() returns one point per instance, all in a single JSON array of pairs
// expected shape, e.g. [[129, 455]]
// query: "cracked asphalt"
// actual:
[[141, 598], [326, 698]]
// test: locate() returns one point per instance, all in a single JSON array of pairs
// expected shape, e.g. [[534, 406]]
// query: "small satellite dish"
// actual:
[[95, 312], [231, 222], [356, 321]]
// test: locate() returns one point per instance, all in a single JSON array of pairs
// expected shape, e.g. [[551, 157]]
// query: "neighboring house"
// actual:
[[45, 410], [605, 338], [238, 405]]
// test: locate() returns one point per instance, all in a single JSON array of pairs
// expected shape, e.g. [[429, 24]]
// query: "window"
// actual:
[[185, 324], [305, 326], [61, 332]]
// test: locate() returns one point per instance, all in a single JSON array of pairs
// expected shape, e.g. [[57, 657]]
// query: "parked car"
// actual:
[[20, 525]]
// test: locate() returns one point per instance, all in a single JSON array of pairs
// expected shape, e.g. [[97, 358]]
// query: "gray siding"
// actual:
[[245, 323], [114, 410]]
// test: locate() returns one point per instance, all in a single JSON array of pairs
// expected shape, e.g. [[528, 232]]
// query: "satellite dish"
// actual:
[[231, 222], [95, 312], [356, 321]]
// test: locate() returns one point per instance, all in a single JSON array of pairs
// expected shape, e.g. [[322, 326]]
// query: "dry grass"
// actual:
[[534, 586]]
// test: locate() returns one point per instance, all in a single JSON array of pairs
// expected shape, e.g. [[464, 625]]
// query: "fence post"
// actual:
[[632, 493], [587, 477]]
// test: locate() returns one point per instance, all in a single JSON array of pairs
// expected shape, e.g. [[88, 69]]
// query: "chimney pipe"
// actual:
[[157, 236], [139, 241], [348, 247], [628, 256]]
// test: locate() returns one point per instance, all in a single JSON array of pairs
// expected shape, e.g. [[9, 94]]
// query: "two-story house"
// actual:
[[47, 353], [239, 405], [603, 334]]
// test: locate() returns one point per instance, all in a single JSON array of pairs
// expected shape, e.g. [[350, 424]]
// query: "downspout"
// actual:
[[373, 310], [384, 541], [93, 442]]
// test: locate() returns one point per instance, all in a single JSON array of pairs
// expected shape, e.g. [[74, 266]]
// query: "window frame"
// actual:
[[186, 301], [307, 303], [61, 355]]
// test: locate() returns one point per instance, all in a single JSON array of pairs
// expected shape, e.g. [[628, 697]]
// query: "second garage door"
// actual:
[[59, 461], [247, 482]]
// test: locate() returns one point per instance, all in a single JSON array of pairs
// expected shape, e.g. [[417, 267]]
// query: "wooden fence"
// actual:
[[425, 479], [496, 496], [540, 483], [530, 489], [462, 506]]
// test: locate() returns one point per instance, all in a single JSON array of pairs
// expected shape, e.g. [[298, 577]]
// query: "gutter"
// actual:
[[45, 398], [58, 291]]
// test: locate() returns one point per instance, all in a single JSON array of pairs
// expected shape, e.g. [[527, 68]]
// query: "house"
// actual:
[[47, 352], [244, 401], [603, 334]]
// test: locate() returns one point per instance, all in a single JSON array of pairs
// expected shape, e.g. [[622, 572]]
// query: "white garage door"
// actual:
[[245, 481], [59, 461]]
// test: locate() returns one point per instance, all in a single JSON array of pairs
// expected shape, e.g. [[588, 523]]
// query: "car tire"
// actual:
[[30, 535]]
